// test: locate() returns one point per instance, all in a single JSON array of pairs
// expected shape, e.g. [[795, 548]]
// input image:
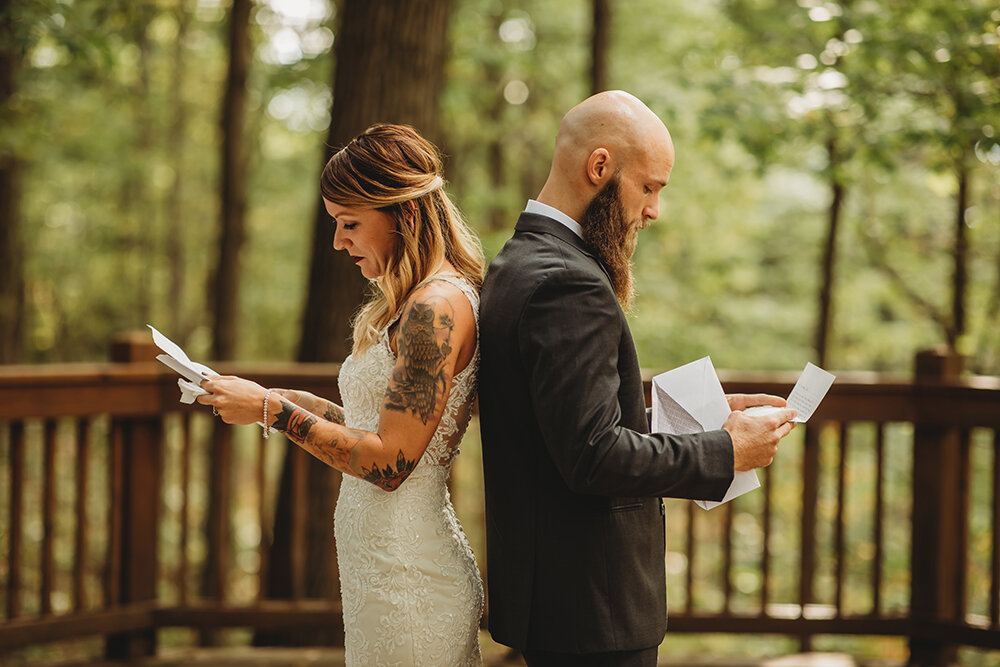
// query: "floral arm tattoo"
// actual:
[[341, 450]]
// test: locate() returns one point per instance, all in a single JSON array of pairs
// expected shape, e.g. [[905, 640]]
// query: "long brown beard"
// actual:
[[608, 231]]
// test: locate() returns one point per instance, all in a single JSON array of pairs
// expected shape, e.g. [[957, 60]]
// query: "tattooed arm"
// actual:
[[435, 339], [328, 410]]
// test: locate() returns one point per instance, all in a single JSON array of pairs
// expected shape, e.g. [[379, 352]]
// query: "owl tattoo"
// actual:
[[424, 345]]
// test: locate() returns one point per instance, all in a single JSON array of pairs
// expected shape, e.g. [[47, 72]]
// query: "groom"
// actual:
[[574, 520]]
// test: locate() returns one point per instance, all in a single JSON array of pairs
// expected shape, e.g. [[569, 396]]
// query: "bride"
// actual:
[[411, 590]]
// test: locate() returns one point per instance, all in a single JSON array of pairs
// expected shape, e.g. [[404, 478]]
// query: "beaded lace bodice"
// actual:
[[409, 582]]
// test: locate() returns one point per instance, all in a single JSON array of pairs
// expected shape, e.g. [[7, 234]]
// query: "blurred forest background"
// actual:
[[835, 198], [836, 194]]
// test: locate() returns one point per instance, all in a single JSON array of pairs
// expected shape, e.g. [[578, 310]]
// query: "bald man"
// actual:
[[574, 520]]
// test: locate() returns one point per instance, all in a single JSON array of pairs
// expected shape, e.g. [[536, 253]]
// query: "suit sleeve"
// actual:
[[569, 335]]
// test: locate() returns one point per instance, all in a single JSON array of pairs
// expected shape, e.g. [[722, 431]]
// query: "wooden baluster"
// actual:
[[995, 569], [220, 466], [83, 440], [807, 552], [879, 530], [262, 514], [116, 475], [961, 520], [765, 557], [16, 510], [299, 499], [727, 559], [690, 549], [182, 572], [839, 551], [48, 516]]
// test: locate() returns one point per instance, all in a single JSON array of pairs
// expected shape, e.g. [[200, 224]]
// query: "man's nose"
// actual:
[[650, 213]]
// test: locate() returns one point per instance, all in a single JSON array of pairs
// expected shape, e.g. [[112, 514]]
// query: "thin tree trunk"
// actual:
[[823, 325], [599, 45], [11, 245], [135, 192], [495, 148], [226, 285], [390, 58], [175, 233], [960, 275]]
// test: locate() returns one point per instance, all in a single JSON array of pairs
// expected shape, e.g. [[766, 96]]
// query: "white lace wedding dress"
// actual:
[[411, 590]]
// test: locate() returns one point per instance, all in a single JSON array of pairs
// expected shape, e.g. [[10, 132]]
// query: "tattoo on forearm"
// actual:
[[424, 346], [298, 423], [387, 478], [339, 453], [334, 413], [293, 421]]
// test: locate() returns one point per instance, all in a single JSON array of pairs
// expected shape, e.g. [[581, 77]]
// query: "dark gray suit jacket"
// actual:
[[575, 531]]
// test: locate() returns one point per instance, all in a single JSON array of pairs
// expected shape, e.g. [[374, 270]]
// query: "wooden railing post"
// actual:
[[139, 512], [937, 526]]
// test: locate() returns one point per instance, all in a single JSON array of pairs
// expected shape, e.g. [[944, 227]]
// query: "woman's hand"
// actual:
[[235, 400]]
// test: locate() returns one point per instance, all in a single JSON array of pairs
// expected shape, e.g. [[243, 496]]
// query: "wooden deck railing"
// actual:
[[878, 518]]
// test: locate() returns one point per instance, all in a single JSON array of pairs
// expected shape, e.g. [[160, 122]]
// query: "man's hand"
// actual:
[[744, 401], [755, 439]]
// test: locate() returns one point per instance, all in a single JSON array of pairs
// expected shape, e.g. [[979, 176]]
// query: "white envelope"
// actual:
[[690, 399]]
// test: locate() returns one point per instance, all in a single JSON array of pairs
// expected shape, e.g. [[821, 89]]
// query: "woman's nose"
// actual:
[[339, 240]]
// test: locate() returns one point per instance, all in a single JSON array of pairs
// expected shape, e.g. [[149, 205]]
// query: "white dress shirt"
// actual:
[[539, 208]]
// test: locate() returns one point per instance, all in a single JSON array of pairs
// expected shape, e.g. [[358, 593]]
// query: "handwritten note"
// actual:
[[807, 394]]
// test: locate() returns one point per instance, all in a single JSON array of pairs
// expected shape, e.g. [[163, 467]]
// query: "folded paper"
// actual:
[[177, 360], [690, 399]]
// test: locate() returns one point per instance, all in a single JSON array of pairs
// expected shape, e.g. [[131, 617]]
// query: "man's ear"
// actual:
[[599, 166]]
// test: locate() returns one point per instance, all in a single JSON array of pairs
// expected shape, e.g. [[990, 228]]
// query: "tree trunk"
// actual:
[[496, 217], [226, 284], [394, 54], [823, 324], [960, 275], [599, 45], [137, 206], [175, 233], [11, 245], [391, 56]]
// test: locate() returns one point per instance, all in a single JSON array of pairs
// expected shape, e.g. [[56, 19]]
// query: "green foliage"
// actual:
[[752, 91]]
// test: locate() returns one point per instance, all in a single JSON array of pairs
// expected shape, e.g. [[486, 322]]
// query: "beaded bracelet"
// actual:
[[267, 428]]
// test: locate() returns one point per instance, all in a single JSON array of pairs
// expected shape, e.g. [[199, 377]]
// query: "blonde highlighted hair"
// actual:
[[393, 169]]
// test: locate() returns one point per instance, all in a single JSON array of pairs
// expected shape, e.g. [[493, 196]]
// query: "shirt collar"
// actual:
[[538, 208]]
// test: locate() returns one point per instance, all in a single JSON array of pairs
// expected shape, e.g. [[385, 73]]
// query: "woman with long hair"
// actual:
[[410, 586]]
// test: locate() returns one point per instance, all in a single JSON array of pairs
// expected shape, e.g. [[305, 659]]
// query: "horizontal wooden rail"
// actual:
[[140, 465]]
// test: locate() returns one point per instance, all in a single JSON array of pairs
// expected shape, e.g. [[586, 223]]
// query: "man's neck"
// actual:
[[560, 200]]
